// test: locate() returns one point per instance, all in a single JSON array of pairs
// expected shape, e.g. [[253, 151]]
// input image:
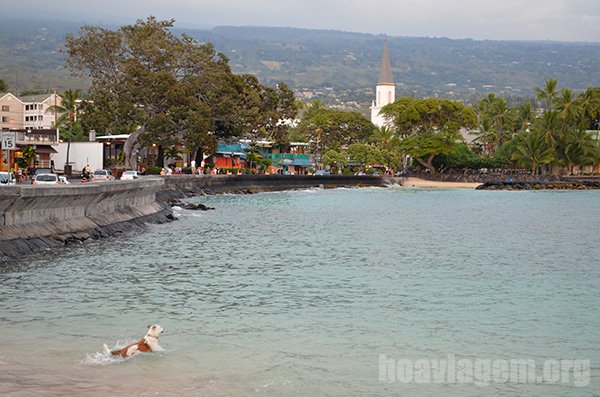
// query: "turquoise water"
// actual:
[[299, 293]]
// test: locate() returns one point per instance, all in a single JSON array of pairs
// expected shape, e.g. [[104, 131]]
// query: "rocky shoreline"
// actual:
[[540, 185]]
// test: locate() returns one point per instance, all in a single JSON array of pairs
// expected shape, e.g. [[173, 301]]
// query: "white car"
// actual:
[[130, 175], [63, 180], [102, 176], [7, 179], [45, 179]]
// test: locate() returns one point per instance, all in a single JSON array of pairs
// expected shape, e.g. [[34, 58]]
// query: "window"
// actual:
[[5, 108], [40, 117], [5, 119]]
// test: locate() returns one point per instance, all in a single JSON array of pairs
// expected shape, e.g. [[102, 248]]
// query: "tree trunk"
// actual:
[[428, 164], [160, 157], [199, 157]]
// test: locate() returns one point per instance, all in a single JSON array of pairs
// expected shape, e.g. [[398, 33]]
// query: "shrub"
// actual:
[[153, 170]]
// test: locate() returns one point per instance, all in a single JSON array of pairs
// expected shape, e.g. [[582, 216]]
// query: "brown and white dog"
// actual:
[[149, 343]]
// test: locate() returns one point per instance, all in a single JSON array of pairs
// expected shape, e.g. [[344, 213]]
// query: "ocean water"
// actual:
[[315, 293]]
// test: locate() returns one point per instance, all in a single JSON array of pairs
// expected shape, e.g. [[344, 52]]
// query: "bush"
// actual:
[[153, 170]]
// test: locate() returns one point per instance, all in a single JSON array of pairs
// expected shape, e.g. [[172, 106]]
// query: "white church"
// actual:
[[386, 89]]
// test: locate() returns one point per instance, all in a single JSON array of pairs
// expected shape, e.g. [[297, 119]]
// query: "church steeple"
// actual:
[[385, 91], [385, 71]]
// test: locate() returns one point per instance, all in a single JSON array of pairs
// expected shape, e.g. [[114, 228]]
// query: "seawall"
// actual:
[[177, 186], [34, 218]]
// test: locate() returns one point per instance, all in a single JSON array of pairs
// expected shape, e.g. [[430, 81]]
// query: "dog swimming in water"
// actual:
[[149, 343]]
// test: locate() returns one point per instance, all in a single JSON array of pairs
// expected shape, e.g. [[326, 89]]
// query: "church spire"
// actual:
[[385, 72]]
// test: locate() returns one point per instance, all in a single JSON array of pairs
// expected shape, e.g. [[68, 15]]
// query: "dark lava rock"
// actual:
[[196, 207]]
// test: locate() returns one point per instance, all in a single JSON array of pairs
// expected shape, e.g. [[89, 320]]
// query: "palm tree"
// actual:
[[501, 116], [580, 149], [486, 136], [69, 112], [525, 117], [548, 94], [384, 137], [589, 103], [495, 118], [567, 108], [532, 151]]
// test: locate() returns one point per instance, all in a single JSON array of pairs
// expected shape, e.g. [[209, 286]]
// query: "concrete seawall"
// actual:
[[262, 183], [33, 218]]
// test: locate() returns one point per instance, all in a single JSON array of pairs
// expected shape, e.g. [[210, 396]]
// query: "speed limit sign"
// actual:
[[9, 140]]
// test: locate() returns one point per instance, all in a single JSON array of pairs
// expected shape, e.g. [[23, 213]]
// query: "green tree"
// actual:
[[3, 86], [424, 147], [331, 125], [547, 94], [496, 120], [385, 137], [359, 153], [588, 102], [580, 149], [180, 92], [69, 114], [532, 151], [429, 127], [334, 159]]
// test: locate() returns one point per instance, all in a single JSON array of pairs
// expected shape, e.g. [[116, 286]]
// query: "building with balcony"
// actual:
[[27, 112]]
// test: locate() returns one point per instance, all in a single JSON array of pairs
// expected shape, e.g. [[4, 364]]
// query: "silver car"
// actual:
[[45, 179], [7, 179], [130, 175], [102, 176]]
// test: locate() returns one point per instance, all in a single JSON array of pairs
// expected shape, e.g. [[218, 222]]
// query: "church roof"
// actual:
[[385, 71]]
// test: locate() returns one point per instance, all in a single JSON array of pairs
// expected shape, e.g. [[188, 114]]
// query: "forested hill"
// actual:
[[322, 60]]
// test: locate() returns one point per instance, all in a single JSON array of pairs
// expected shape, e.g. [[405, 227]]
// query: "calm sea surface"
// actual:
[[300, 293]]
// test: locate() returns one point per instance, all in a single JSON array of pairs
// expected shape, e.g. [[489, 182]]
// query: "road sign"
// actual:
[[9, 140]]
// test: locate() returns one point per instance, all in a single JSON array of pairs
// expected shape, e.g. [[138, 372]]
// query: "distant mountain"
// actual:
[[336, 65]]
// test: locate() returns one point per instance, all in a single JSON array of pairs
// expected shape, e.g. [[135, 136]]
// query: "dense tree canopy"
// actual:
[[331, 125], [428, 127], [177, 90]]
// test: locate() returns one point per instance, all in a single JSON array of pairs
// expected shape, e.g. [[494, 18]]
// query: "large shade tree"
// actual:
[[429, 127], [329, 126], [177, 90]]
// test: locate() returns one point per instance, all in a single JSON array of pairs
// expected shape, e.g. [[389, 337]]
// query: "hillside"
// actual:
[[333, 64]]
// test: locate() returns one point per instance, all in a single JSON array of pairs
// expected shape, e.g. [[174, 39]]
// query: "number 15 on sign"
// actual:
[[8, 140]]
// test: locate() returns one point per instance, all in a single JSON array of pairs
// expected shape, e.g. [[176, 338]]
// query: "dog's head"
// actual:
[[154, 330]]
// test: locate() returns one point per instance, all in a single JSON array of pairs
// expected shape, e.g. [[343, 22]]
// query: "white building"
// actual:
[[385, 89], [27, 112]]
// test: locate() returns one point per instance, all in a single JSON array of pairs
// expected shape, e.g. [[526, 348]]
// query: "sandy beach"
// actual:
[[418, 182]]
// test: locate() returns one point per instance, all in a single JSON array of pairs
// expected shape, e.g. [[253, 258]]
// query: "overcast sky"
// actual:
[[565, 20]]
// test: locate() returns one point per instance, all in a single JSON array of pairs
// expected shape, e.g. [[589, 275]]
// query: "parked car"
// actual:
[[322, 172], [102, 176], [63, 180], [130, 175], [43, 171], [7, 179], [45, 179]]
